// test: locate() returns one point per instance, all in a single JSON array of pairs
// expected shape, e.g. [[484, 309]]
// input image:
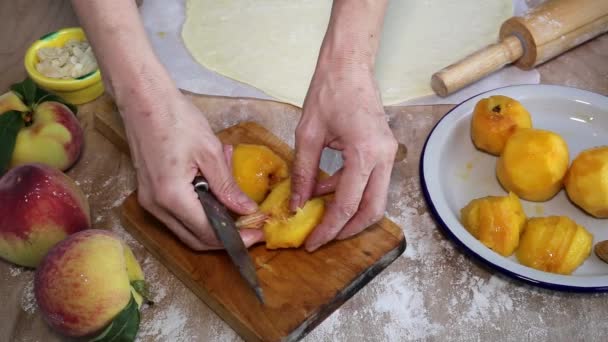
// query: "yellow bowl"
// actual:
[[77, 90]]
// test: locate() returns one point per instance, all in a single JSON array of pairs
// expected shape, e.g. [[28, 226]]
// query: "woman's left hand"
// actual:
[[343, 111]]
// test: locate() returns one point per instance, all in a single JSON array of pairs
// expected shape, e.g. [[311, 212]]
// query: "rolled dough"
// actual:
[[273, 44]]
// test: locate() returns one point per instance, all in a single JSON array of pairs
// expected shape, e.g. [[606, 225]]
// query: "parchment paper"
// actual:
[[163, 21]]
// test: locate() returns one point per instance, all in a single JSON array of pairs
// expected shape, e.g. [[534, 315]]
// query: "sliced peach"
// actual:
[[495, 221], [276, 204], [554, 244], [284, 229], [256, 169]]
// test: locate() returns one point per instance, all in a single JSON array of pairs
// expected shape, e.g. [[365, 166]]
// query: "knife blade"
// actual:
[[226, 231]]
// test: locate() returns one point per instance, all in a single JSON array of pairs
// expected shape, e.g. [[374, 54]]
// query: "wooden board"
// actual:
[[301, 288]]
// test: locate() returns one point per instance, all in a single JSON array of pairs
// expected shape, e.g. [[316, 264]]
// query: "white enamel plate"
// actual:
[[453, 173]]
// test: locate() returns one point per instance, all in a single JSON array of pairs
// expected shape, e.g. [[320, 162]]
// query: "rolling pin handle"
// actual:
[[476, 66]]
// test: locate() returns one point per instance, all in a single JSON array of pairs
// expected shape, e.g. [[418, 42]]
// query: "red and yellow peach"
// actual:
[[85, 281], [40, 206]]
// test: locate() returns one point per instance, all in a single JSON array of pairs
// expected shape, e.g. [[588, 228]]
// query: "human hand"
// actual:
[[171, 142], [343, 111]]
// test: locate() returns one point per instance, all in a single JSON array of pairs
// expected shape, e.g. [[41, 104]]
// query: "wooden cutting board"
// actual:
[[301, 289]]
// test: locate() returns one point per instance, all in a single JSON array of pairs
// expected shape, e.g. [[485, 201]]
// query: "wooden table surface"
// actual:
[[433, 292]]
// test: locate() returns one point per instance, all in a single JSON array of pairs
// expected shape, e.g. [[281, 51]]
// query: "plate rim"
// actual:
[[463, 246]]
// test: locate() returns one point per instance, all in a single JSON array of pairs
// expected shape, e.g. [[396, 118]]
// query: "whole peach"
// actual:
[[533, 164], [39, 206], [85, 281], [587, 181], [494, 120], [54, 137]]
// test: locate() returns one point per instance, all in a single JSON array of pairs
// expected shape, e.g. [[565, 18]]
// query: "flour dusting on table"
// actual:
[[14, 270], [168, 325], [407, 296], [28, 300], [150, 268]]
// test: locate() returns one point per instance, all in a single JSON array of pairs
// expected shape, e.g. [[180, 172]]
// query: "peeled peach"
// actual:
[[554, 244], [256, 169], [533, 164], [284, 229], [276, 204], [587, 181], [494, 120], [495, 221]]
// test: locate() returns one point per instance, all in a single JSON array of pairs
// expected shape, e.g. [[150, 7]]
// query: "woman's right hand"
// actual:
[[170, 139], [171, 142]]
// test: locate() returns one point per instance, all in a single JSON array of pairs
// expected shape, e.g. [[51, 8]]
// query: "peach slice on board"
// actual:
[[256, 169]]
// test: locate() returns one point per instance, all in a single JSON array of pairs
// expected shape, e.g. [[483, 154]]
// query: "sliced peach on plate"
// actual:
[[496, 221], [554, 244]]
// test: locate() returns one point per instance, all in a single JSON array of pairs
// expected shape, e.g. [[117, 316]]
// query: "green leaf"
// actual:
[[142, 288], [124, 327], [27, 91], [10, 124], [34, 95]]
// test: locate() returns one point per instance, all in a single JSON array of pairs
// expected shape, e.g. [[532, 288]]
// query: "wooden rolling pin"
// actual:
[[543, 33]]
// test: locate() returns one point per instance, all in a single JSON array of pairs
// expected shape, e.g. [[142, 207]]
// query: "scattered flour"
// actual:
[[107, 182], [121, 198], [112, 223], [28, 300], [408, 299], [404, 304], [164, 321], [14, 270], [488, 297], [150, 267], [329, 329], [168, 325]]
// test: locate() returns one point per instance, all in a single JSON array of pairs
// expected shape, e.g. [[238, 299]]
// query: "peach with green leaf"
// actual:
[[37, 127], [91, 284]]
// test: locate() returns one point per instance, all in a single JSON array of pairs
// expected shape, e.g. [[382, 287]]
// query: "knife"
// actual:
[[226, 231]]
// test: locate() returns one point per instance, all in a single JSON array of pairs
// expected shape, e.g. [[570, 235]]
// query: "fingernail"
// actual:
[[313, 245], [294, 204], [312, 248], [252, 236]]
